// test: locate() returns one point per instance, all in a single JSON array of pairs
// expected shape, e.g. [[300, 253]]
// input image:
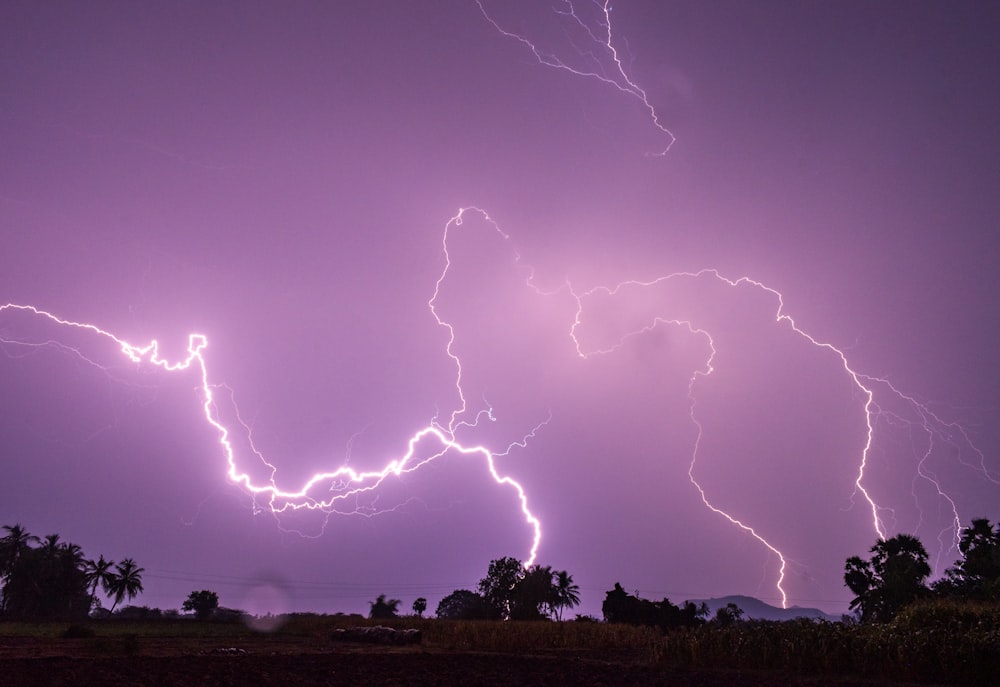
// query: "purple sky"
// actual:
[[280, 177]]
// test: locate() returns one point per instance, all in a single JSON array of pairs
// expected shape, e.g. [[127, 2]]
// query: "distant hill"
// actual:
[[758, 610]]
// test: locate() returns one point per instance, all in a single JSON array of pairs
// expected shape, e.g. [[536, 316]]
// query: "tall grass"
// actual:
[[940, 641]]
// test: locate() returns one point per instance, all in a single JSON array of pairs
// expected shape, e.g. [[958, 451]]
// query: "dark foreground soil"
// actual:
[[355, 666]]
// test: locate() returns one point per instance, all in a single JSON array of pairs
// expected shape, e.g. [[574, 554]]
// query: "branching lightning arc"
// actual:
[[330, 490], [601, 60], [344, 483]]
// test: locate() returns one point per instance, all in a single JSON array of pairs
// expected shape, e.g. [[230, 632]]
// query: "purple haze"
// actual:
[[279, 177]]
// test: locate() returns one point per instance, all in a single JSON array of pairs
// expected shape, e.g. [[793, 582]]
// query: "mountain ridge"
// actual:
[[755, 609]]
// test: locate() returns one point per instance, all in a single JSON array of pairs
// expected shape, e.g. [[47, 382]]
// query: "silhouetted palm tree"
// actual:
[[73, 552], [567, 593], [46, 582], [12, 547], [100, 573], [72, 578], [51, 545], [53, 560], [534, 596], [127, 581]]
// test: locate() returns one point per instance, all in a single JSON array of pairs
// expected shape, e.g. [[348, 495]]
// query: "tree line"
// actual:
[[894, 577], [50, 579], [510, 591]]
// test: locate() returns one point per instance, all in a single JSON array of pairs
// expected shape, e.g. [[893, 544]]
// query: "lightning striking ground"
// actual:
[[604, 64]]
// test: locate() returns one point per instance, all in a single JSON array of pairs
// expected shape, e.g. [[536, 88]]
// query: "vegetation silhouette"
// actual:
[[621, 607], [727, 615], [100, 573], [126, 582], [497, 588], [895, 576], [419, 606], [903, 628], [463, 604], [50, 579], [13, 547], [513, 592], [977, 574], [567, 593], [382, 608], [202, 603]]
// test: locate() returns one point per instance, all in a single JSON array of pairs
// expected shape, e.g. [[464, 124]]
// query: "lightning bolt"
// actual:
[[343, 484], [602, 56], [331, 490], [930, 423], [592, 39]]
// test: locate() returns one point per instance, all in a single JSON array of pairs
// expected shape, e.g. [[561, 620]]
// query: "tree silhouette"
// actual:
[[497, 588], [419, 606], [977, 574], [50, 545], [727, 615], [894, 577], [74, 552], [463, 604], [567, 593], [13, 546], [54, 581], [202, 603], [47, 583], [621, 607], [383, 608], [534, 594], [518, 593], [100, 573], [127, 582]]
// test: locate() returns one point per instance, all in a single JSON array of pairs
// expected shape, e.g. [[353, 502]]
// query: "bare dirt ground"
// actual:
[[287, 661]]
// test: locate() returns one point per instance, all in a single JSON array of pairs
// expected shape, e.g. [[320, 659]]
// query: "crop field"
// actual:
[[931, 644]]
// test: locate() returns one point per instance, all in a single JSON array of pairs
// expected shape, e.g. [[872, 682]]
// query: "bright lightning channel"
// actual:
[[931, 424], [605, 65], [345, 482]]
